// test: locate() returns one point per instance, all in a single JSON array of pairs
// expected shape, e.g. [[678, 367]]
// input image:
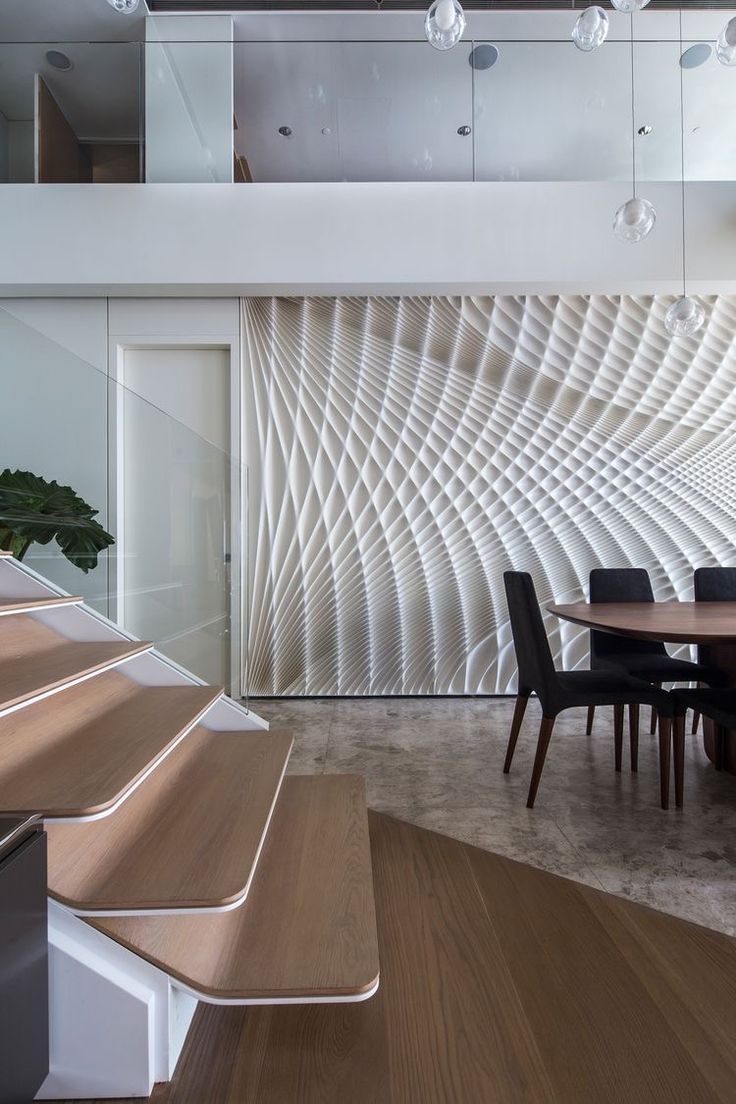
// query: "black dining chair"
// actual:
[[712, 584], [560, 690], [645, 659], [719, 705]]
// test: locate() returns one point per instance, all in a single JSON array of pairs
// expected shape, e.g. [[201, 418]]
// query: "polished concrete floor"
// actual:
[[437, 763]]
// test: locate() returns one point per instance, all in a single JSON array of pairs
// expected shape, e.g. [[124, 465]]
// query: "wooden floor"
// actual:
[[500, 983]]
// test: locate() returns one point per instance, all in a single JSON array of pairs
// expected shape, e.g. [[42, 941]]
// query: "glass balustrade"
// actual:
[[267, 111], [124, 487]]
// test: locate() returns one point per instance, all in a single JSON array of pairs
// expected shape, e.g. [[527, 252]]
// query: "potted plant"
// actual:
[[34, 511]]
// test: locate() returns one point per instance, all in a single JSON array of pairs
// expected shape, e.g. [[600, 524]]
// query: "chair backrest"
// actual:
[[715, 584], [620, 584], [533, 654]]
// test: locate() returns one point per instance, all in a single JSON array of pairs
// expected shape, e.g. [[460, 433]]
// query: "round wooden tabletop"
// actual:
[[669, 622]]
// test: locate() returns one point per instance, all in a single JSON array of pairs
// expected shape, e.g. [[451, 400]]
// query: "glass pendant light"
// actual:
[[686, 316], [635, 219], [629, 5], [127, 7], [726, 44], [591, 29], [444, 24]]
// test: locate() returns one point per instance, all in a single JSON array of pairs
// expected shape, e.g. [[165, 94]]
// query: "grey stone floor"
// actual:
[[437, 763]]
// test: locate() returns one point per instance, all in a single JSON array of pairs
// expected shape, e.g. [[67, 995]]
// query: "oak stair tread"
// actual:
[[75, 754], [34, 659], [308, 927], [189, 837], [28, 605]]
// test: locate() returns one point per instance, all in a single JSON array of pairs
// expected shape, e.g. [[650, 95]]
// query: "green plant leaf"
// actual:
[[34, 510]]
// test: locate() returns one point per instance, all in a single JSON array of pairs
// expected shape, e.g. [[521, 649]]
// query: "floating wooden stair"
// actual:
[[34, 659], [172, 832], [28, 605], [306, 931], [76, 754], [188, 838]]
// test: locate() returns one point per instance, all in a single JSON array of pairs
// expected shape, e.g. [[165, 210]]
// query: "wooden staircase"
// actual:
[[175, 845]]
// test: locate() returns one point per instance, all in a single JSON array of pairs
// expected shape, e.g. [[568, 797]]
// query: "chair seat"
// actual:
[[612, 688], [660, 668], [719, 705]]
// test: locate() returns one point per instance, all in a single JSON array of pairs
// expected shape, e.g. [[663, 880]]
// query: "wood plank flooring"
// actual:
[[308, 925], [36, 659], [76, 753], [500, 984], [199, 820]]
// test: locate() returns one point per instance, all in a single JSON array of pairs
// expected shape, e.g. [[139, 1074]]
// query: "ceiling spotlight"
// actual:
[[127, 7], [684, 318], [645, 130], [696, 55], [591, 29], [726, 44], [483, 56], [59, 61], [629, 5], [634, 220], [444, 24], [285, 131]]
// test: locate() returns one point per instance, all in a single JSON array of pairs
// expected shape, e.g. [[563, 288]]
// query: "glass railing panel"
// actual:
[[126, 489], [355, 111], [188, 112], [70, 112]]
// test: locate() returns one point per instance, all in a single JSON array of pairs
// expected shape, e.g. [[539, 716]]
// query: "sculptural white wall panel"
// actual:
[[405, 452]]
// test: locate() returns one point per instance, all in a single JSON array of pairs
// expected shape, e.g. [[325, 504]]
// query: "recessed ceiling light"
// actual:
[[646, 129], [463, 131], [59, 61], [285, 131], [696, 55], [483, 56]]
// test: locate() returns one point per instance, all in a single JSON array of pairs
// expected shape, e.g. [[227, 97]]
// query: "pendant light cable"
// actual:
[[633, 112], [682, 157]]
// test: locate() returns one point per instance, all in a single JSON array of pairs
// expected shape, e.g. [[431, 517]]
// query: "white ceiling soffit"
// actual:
[[69, 21]]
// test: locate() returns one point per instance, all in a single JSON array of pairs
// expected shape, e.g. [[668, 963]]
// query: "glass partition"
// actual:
[[323, 111], [70, 112], [124, 488]]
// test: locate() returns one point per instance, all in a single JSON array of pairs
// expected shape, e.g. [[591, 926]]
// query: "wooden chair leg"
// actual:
[[519, 710], [696, 722], [678, 744], [634, 736], [589, 722], [665, 742], [545, 732], [653, 721], [618, 734]]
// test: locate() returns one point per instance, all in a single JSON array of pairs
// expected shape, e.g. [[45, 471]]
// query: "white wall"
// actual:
[[202, 239], [20, 152], [189, 101]]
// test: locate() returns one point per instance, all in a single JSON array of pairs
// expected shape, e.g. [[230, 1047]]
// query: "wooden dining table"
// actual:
[[710, 625]]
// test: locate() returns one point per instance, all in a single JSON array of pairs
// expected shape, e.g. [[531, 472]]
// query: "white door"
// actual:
[[175, 486]]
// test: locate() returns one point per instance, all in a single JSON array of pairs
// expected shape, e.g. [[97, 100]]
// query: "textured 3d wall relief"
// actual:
[[404, 452]]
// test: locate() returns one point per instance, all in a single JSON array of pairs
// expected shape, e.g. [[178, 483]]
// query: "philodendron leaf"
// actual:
[[33, 509]]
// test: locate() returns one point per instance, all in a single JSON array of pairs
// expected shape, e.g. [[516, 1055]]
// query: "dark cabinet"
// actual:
[[24, 1034]]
